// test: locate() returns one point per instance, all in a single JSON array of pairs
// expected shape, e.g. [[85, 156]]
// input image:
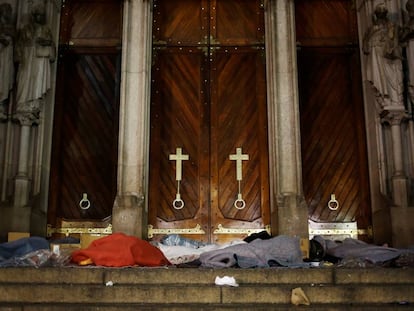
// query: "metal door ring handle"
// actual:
[[239, 204], [178, 203], [333, 203], [84, 203]]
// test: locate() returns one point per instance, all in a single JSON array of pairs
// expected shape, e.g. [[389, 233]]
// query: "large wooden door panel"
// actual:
[[177, 111], [331, 112], [238, 121], [85, 134], [85, 144], [331, 158], [208, 98]]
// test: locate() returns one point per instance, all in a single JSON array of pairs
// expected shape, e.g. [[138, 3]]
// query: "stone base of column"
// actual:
[[14, 219], [402, 226], [129, 216], [400, 193], [382, 226], [38, 220], [21, 191], [293, 216]]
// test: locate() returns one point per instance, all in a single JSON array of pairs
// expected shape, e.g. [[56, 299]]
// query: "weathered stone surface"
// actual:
[[188, 289]]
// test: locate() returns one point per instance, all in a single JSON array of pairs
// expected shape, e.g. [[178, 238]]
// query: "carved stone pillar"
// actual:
[[3, 112], [5, 146], [401, 213], [289, 210], [22, 188], [130, 210], [399, 180], [22, 183]]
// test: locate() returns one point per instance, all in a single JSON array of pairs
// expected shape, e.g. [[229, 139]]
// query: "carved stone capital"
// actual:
[[394, 117], [27, 118], [3, 112], [3, 116]]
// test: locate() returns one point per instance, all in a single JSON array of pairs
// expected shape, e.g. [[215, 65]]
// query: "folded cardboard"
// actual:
[[12, 236]]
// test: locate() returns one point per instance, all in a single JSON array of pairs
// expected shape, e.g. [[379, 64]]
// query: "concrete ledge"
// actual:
[[201, 294], [209, 307], [374, 276], [92, 294], [177, 287], [207, 276], [361, 294], [172, 275], [322, 294], [51, 275]]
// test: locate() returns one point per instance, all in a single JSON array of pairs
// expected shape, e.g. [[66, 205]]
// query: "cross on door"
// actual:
[[239, 157], [178, 157]]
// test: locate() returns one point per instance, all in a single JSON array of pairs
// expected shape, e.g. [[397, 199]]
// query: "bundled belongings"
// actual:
[[179, 250], [30, 251], [358, 251], [119, 250]]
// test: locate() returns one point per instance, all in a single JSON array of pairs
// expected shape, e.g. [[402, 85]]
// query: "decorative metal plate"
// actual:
[[338, 230], [78, 230], [222, 230], [196, 230]]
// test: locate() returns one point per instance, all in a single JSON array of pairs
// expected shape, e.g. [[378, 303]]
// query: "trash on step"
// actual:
[[226, 280], [299, 297], [109, 283]]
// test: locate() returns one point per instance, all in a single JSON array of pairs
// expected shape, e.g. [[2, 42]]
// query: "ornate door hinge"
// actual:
[[196, 230], [222, 230]]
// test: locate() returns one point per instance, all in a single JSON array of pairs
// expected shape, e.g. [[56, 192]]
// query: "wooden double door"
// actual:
[[208, 98], [208, 102], [85, 134], [334, 149]]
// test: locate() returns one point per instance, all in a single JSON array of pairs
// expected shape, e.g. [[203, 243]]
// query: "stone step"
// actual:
[[201, 294], [187, 276], [205, 307], [94, 288]]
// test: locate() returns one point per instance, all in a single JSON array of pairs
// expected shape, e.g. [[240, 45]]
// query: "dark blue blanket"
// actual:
[[21, 247]]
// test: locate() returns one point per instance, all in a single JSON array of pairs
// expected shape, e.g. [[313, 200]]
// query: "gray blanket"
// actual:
[[356, 249], [277, 251]]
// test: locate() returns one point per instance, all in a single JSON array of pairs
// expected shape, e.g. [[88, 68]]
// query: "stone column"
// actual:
[[399, 180], [130, 207], [5, 125], [401, 213], [3, 113], [289, 209], [22, 187]]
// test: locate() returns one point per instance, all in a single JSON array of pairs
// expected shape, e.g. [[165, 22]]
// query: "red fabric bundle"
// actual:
[[119, 250]]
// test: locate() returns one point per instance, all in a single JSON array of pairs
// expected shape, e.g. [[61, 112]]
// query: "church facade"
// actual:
[[212, 119]]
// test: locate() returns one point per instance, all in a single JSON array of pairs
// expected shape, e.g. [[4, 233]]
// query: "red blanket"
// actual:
[[119, 250]]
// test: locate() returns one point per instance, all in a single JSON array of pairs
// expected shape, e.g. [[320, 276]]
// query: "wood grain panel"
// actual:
[[178, 120], [330, 125], [326, 22], [85, 133], [237, 22], [184, 22], [91, 23], [84, 155], [238, 121], [331, 108]]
